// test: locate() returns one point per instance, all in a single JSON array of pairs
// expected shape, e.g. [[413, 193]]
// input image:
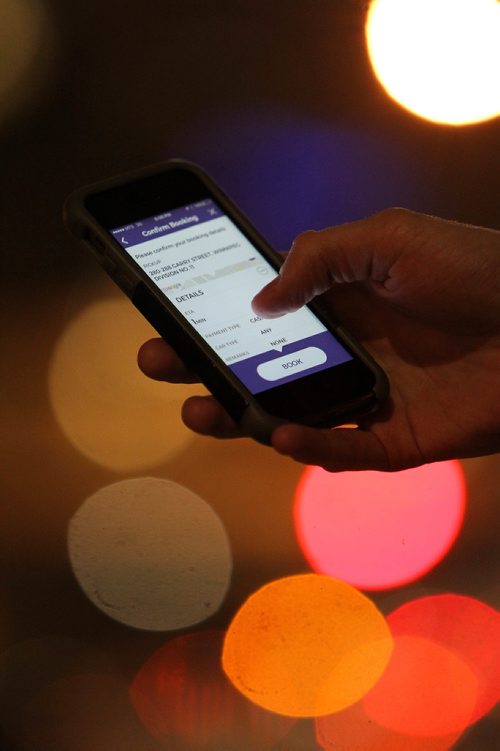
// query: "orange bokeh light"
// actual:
[[306, 645]]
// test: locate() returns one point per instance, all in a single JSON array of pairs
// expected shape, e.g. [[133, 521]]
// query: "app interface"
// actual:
[[210, 272]]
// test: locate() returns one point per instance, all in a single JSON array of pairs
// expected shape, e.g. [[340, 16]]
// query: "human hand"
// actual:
[[423, 296]]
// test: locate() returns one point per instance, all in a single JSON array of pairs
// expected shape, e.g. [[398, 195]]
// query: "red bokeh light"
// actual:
[[444, 675], [183, 699], [377, 530], [467, 627], [426, 690], [353, 729]]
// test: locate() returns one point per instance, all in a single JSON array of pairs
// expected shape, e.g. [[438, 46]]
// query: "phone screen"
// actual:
[[210, 271]]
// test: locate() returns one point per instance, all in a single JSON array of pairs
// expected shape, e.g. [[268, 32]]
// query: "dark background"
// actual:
[[278, 101]]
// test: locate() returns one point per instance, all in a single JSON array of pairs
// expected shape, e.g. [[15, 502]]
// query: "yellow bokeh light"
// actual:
[[26, 52], [105, 406], [306, 646], [438, 58]]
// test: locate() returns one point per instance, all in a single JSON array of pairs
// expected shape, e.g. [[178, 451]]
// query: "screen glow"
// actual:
[[209, 271], [378, 530], [438, 58]]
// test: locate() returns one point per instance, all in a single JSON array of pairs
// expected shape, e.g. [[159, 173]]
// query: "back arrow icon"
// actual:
[[124, 241]]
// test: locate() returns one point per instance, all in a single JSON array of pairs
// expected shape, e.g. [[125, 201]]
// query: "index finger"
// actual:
[[362, 251]]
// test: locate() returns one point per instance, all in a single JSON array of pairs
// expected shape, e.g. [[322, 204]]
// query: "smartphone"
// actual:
[[191, 262]]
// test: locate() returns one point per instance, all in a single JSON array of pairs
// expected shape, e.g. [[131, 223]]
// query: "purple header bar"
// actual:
[[165, 224]]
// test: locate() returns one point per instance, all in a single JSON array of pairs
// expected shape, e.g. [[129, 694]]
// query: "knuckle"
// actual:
[[396, 220], [305, 240]]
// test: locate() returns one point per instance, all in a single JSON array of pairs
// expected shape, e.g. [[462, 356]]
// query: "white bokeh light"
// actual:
[[150, 554], [438, 58]]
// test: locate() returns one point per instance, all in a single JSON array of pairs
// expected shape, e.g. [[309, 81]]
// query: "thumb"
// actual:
[[355, 252]]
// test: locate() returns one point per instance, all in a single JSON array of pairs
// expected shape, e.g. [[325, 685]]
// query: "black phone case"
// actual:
[[252, 419]]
